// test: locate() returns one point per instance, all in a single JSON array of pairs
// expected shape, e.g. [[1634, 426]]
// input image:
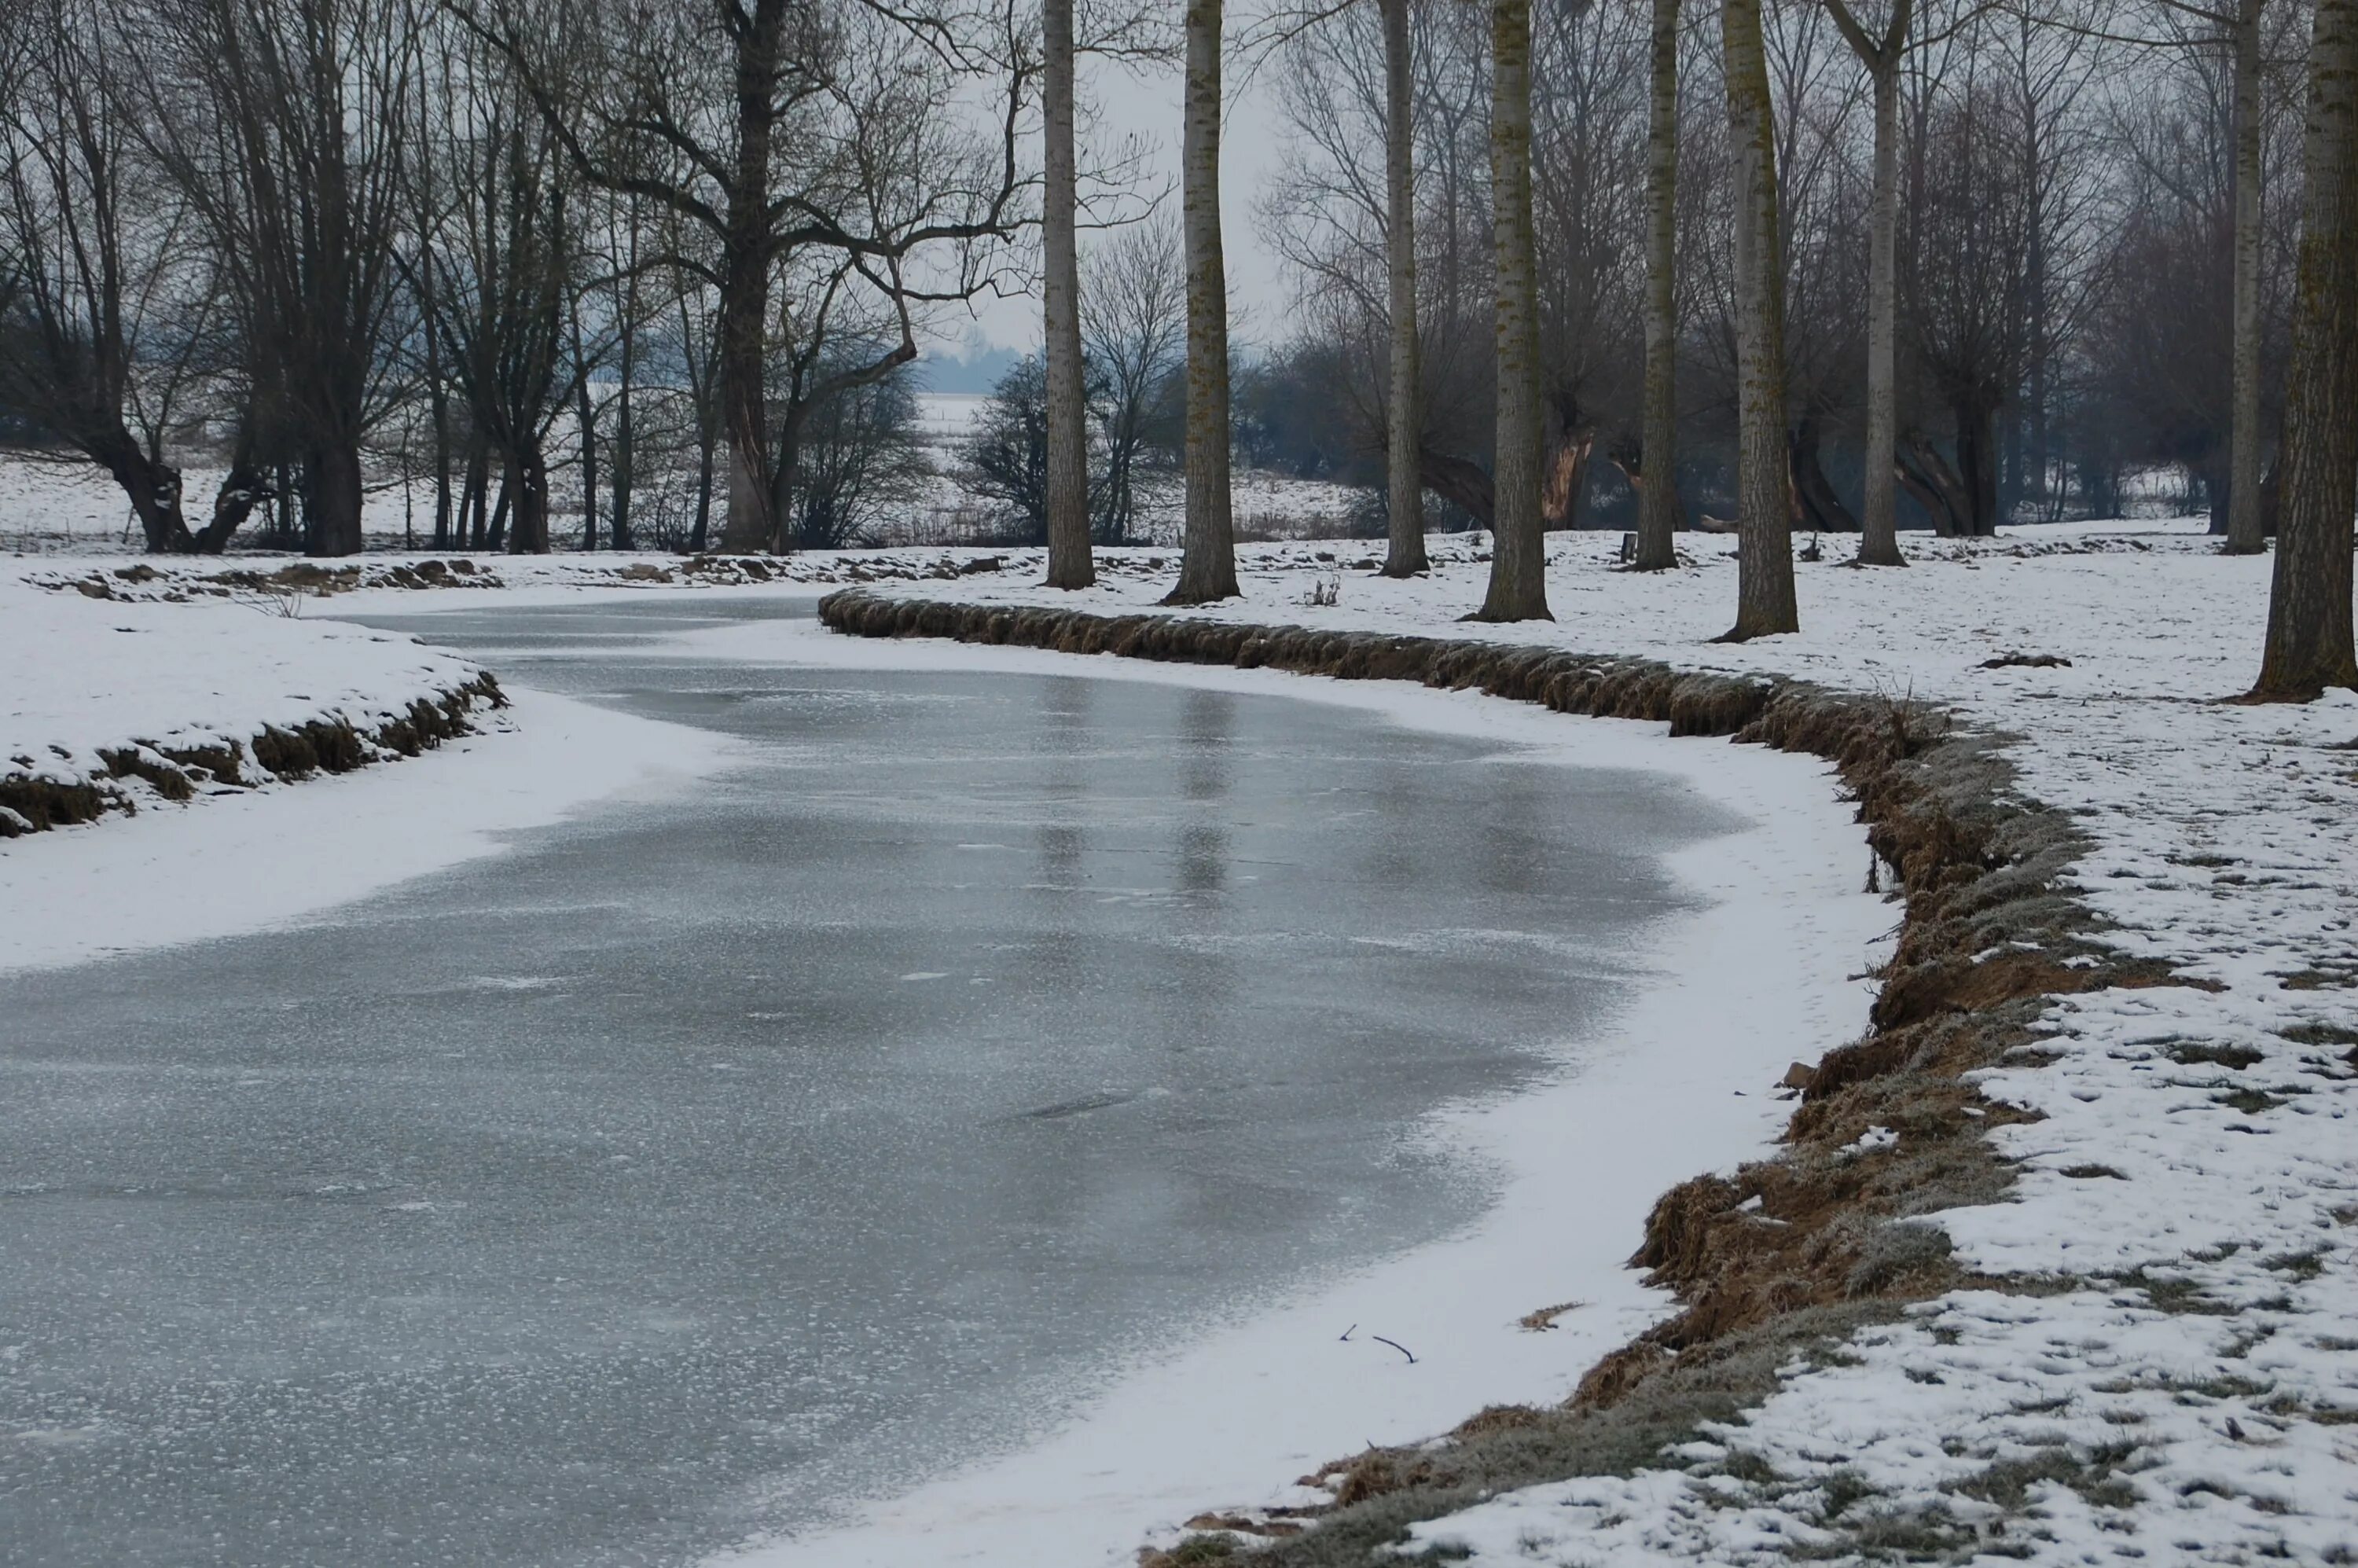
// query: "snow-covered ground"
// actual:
[[2162, 1364], [87, 677], [52, 507], [2160, 1359], [153, 680]]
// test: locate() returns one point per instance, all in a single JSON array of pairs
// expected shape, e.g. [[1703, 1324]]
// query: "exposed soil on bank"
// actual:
[[34, 798]]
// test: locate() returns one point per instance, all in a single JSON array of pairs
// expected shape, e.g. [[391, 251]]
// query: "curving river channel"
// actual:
[[706, 1163]]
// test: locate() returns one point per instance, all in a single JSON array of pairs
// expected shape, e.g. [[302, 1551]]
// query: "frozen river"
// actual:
[[704, 1164]]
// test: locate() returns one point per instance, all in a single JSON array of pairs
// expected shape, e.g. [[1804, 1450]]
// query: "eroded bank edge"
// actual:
[[33, 797], [1789, 1255]]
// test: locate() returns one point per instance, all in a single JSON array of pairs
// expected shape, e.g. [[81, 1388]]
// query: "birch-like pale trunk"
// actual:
[[1764, 591], [1406, 426], [2246, 535], [1658, 494], [1518, 544], [1070, 562], [2309, 643], [1208, 560]]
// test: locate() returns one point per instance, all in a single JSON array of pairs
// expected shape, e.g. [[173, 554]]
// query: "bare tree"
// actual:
[[805, 129], [106, 307], [1657, 478], [2245, 531], [504, 257], [1207, 565], [1764, 603], [1069, 561], [1518, 588], [2309, 645], [1134, 326], [1878, 543], [1404, 423], [284, 126]]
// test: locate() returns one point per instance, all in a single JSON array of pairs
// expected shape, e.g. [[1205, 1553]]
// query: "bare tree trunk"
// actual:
[[1208, 564], [2309, 643], [332, 506], [700, 533], [242, 489], [1878, 541], [1070, 563], [1519, 537], [438, 395], [2245, 533], [619, 452], [524, 478], [752, 524], [1764, 593], [585, 413], [1406, 427], [1658, 494], [474, 504]]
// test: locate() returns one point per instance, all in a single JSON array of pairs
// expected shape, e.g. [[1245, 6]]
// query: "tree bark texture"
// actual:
[[331, 506], [1879, 543], [1658, 496], [2308, 641], [1518, 540], [752, 524], [1070, 563], [2245, 533], [1764, 594], [1207, 565], [1406, 555]]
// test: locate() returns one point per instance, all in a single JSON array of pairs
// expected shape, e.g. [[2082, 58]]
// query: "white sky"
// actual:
[[1145, 103]]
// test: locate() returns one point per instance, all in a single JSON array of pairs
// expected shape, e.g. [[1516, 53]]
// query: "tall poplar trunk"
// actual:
[[1878, 541], [1070, 562], [1207, 563], [1764, 592], [1657, 472], [1518, 540], [1405, 428], [2246, 532], [752, 524], [2308, 641]]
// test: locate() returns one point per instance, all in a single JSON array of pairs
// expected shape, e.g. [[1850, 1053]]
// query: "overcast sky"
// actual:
[[1147, 104]]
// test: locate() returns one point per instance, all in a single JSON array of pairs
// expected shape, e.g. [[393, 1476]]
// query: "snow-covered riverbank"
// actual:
[[2152, 1346], [175, 737]]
